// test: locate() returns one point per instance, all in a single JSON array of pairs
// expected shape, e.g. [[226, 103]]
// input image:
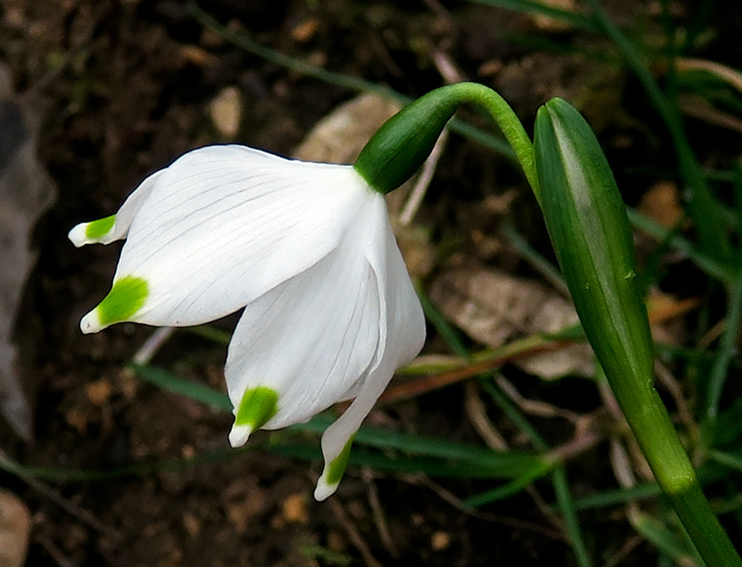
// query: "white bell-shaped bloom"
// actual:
[[306, 249]]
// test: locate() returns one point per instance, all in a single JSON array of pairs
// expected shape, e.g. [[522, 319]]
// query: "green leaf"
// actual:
[[166, 381]]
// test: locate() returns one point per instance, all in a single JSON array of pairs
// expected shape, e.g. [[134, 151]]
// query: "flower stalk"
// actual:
[[404, 142]]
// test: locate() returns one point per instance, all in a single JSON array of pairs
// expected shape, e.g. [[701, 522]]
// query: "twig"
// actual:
[[54, 552], [70, 507], [423, 181], [150, 347], [378, 514], [477, 415], [676, 392], [534, 407], [629, 546], [354, 535], [454, 501]]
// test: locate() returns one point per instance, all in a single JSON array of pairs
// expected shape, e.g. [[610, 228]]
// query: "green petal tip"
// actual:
[[125, 298], [333, 473], [257, 406], [97, 229]]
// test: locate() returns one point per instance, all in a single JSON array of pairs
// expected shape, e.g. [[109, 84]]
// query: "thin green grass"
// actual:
[[701, 206], [676, 546], [581, 21], [727, 349]]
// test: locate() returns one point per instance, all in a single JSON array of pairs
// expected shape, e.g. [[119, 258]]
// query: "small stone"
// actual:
[[191, 524], [305, 30], [295, 509], [15, 526], [440, 540], [98, 392], [226, 112]]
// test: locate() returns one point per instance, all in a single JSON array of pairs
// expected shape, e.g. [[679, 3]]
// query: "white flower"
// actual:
[[307, 249]]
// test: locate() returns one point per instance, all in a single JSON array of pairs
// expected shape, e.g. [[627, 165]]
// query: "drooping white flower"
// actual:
[[306, 249]]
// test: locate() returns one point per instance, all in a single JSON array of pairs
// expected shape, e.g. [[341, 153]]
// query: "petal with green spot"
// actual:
[[333, 473], [125, 298], [257, 406], [338, 465], [99, 228]]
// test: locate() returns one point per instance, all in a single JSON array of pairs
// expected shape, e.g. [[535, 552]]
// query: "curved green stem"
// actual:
[[509, 124], [403, 143]]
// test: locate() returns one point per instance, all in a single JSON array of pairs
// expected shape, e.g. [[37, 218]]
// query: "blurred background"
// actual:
[[501, 443]]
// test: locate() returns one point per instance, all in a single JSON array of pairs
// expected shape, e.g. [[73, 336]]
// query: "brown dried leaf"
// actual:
[[549, 24], [668, 325], [99, 391], [244, 501], [340, 136], [493, 307]]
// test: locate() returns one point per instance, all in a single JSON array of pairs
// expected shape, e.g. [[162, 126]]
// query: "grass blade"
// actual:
[[530, 7], [701, 206], [720, 370]]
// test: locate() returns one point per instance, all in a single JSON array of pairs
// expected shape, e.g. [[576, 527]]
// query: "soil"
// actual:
[[123, 87]]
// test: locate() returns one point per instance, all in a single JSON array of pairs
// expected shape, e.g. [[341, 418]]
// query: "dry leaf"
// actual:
[[493, 307], [668, 325], [340, 136], [550, 24], [25, 193], [99, 392], [244, 501]]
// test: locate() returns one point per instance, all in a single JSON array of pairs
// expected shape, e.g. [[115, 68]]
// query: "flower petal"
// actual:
[[310, 340], [402, 335], [115, 227], [225, 224]]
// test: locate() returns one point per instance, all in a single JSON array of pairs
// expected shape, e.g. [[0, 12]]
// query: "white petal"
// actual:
[[239, 435], [225, 224], [314, 337], [402, 336], [81, 234]]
